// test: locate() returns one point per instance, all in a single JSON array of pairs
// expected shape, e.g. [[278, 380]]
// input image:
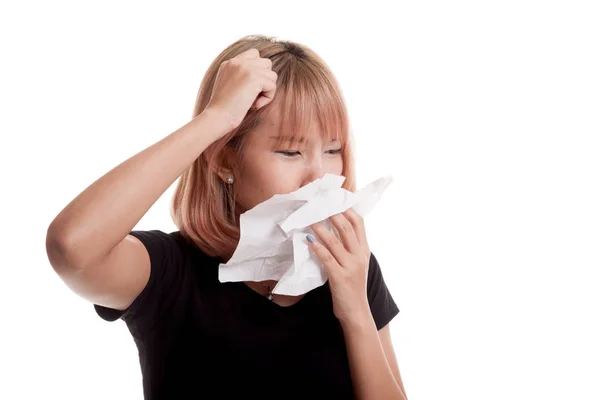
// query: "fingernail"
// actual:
[[310, 238]]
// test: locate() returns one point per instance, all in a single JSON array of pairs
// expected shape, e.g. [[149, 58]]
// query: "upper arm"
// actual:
[[383, 309], [386, 342], [382, 304], [116, 280]]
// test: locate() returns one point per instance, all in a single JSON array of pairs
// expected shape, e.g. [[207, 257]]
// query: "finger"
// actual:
[[358, 224], [250, 53], [347, 234], [331, 243], [261, 63], [269, 85], [324, 255]]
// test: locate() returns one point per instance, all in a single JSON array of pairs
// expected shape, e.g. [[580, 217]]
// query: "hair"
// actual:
[[203, 206]]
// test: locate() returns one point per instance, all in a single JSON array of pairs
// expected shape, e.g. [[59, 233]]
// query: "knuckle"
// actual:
[[327, 258], [346, 226], [348, 215], [331, 241], [358, 218]]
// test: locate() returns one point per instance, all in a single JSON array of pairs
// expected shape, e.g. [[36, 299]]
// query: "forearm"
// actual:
[[371, 374], [107, 210]]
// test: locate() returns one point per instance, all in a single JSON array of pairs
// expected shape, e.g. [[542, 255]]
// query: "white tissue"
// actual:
[[273, 242]]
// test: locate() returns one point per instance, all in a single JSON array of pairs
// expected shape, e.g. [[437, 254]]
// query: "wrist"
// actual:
[[360, 319], [220, 120]]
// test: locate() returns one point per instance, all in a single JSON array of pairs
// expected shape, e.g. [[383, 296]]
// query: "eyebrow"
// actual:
[[290, 138]]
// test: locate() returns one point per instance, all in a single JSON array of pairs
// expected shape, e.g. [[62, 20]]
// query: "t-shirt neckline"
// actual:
[[263, 299]]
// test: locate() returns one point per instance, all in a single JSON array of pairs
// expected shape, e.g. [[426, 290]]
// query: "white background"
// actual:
[[486, 114]]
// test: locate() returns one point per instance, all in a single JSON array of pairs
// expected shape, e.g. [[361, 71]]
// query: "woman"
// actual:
[[269, 118]]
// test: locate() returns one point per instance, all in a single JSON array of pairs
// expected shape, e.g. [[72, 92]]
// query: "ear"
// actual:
[[225, 167], [225, 173]]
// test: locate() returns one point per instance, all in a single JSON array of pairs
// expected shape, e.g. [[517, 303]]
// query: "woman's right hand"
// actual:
[[243, 81]]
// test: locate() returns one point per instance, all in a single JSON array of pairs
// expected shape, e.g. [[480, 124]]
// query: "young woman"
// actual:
[[269, 118]]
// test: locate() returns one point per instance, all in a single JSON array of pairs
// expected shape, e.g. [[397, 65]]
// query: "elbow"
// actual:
[[59, 250], [55, 248]]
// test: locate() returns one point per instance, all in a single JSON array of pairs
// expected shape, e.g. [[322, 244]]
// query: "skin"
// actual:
[[265, 172]]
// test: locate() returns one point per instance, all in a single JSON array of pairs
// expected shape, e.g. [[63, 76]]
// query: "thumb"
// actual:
[[261, 101]]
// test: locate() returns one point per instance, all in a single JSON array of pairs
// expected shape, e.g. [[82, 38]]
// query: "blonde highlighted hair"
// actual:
[[203, 206]]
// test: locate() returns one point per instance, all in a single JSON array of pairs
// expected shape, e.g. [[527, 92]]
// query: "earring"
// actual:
[[230, 179]]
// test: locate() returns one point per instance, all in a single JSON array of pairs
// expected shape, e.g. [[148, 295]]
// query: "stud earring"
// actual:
[[230, 179]]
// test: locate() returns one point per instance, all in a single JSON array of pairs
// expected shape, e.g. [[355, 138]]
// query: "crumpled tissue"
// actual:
[[273, 244]]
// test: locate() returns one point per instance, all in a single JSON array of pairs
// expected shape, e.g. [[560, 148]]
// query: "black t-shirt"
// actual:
[[199, 338]]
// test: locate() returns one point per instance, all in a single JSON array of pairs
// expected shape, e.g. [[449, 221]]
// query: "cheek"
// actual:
[[335, 166], [269, 170], [266, 176]]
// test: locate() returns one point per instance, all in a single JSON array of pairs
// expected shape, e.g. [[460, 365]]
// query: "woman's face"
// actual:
[[265, 171]]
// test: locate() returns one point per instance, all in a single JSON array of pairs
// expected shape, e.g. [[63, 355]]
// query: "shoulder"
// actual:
[[168, 247], [175, 262]]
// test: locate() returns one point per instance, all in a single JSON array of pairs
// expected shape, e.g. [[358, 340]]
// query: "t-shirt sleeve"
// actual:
[[383, 307], [166, 277]]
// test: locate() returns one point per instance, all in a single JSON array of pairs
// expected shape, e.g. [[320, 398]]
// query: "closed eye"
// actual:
[[293, 153], [288, 153]]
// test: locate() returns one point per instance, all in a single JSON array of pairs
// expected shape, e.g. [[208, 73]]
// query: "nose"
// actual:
[[313, 170]]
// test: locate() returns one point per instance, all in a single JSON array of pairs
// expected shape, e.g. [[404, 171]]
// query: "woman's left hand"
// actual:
[[346, 260]]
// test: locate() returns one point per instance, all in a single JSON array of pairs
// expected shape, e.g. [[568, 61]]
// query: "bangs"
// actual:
[[204, 208], [303, 93]]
